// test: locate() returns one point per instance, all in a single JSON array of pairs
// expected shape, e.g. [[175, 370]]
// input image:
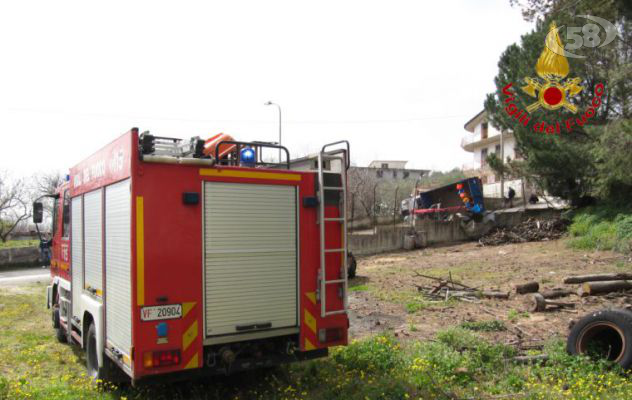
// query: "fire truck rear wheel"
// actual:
[[92, 361], [352, 266]]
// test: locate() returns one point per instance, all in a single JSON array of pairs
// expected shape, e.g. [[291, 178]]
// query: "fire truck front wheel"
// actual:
[[92, 361], [60, 335]]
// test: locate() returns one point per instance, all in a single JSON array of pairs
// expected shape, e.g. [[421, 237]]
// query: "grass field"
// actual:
[[457, 364], [18, 243]]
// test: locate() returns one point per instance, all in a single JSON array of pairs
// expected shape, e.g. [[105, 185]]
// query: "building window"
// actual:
[[483, 157], [384, 165], [484, 130], [497, 150], [406, 174], [379, 173], [326, 165], [394, 173]]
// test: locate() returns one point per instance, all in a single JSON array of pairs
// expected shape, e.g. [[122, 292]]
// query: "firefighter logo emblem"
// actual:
[[552, 90]]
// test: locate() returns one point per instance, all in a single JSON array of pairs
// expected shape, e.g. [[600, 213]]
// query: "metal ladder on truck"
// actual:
[[341, 155]]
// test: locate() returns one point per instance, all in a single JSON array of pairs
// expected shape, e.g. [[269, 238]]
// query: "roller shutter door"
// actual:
[[93, 240], [117, 265], [250, 257], [76, 237]]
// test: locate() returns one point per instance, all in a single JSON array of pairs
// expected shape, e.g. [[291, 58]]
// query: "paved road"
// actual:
[[22, 276]]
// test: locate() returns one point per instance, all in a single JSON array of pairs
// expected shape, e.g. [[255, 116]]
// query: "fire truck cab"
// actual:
[[182, 257]]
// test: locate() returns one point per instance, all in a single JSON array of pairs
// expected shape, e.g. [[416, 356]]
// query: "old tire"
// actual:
[[352, 266], [60, 334], [605, 334], [92, 362]]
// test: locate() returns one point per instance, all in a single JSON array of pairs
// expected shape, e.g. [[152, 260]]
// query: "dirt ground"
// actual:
[[384, 297]]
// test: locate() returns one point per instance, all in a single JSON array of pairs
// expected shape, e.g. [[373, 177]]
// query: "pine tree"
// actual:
[[578, 164]]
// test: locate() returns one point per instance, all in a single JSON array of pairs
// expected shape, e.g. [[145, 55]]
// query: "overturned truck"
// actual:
[[462, 196]]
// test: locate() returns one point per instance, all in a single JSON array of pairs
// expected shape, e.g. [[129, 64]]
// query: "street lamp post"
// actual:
[[269, 103]]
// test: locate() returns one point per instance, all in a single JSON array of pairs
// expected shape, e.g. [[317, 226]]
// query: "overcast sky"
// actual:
[[398, 79]]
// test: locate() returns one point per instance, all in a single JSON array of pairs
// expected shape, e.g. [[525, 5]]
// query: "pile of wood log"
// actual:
[[443, 289], [597, 284], [589, 285], [531, 230], [543, 300]]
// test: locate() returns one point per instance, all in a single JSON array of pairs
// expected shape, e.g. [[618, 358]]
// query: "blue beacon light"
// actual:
[[247, 157]]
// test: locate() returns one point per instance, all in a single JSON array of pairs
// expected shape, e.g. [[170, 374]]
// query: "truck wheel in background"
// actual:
[[92, 361], [605, 334], [352, 265]]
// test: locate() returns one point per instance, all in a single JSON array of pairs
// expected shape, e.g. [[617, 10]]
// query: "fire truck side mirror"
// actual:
[[38, 212]]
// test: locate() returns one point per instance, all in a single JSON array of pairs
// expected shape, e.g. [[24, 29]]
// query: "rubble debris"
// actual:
[[443, 280], [445, 289], [603, 287], [529, 287], [531, 230], [617, 276], [538, 303]]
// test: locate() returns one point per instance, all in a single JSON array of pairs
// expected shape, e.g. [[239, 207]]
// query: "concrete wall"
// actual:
[[19, 256], [432, 232], [437, 232], [387, 238], [508, 219]]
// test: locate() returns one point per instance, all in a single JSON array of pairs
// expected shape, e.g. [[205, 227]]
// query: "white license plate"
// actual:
[[156, 313]]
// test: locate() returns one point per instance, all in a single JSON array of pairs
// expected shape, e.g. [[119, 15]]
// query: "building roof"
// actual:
[[469, 125], [379, 162]]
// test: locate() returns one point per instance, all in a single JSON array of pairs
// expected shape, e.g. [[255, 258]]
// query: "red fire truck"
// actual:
[[186, 257]]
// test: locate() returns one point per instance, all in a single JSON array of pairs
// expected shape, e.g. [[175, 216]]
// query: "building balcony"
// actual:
[[471, 142]]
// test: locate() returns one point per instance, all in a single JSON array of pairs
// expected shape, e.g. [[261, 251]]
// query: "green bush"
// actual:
[[602, 228], [376, 354]]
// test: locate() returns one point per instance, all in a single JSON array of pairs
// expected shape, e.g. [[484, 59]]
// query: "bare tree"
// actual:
[[14, 205], [42, 184], [47, 183], [361, 186], [376, 195]]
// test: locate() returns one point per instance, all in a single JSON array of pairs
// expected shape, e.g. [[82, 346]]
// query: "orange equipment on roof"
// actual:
[[214, 141]]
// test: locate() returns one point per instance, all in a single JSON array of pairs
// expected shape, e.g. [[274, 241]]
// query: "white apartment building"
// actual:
[[481, 140], [394, 170]]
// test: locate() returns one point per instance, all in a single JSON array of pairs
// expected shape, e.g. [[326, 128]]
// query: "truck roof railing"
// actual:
[[234, 158], [165, 146]]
